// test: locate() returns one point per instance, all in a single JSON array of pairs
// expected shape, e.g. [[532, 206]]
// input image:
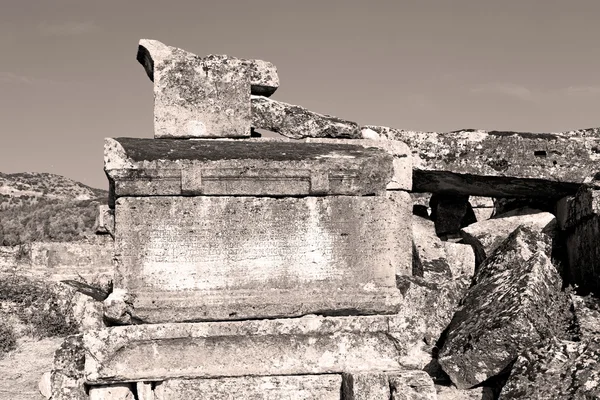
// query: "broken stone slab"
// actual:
[[516, 302], [111, 392], [155, 167], [197, 97], [426, 312], [153, 55], [587, 313], [499, 164], [483, 207], [558, 369], [145, 391], [436, 260], [297, 122], [297, 387], [222, 258], [486, 236], [393, 385], [294, 346], [450, 212]]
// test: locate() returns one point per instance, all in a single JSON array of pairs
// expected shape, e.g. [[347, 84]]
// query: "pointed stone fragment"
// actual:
[[515, 303]]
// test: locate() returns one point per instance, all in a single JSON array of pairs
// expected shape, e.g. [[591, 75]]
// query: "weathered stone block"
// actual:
[[68, 370], [587, 313], [486, 236], [151, 167], [218, 258], [450, 212], [111, 392], [297, 122], [559, 369], [499, 164], [298, 387], [293, 346], [426, 311], [263, 74], [515, 303], [105, 220], [197, 97], [396, 385], [435, 260]]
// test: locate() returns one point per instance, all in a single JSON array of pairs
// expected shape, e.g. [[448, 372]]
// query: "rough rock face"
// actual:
[[499, 164], [427, 311], [298, 122], [587, 312], [486, 236], [67, 372], [436, 260], [401, 385], [559, 369], [581, 219], [450, 212], [515, 303], [199, 97]]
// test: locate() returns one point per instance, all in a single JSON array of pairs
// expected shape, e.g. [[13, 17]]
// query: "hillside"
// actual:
[[46, 207]]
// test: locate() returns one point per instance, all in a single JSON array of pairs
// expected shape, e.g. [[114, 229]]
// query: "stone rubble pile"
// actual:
[[339, 262]]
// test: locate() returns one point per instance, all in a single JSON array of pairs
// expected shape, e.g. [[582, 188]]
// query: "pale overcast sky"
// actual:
[[69, 78]]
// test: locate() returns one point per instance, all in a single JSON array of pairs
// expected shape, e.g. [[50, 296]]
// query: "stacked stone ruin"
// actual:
[[339, 262]]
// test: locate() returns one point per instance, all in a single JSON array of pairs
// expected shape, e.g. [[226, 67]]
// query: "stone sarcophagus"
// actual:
[[232, 229]]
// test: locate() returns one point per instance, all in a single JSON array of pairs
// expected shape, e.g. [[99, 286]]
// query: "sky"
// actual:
[[69, 75]]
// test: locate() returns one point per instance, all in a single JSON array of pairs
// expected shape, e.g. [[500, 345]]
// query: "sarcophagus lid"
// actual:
[[211, 167]]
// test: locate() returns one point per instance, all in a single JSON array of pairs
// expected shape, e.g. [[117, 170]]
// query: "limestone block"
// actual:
[[486, 236], [499, 164], [437, 261], [559, 369], [111, 392], [145, 391], [297, 122], [396, 385], [219, 258], [453, 393], [515, 303], [297, 387], [426, 311], [263, 74], [483, 207], [197, 97], [45, 385], [293, 346], [150, 167]]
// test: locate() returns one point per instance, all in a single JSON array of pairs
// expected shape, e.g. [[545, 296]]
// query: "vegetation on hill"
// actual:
[[51, 220], [46, 207]]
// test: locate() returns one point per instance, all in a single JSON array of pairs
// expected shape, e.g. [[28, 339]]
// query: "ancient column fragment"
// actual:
[[297, 122], [515, 303], [196, 97], [294, 346], [499, 164], [297, 387]]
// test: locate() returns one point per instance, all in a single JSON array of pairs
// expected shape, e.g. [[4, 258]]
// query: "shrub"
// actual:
[[40, 305], [8, 339]]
